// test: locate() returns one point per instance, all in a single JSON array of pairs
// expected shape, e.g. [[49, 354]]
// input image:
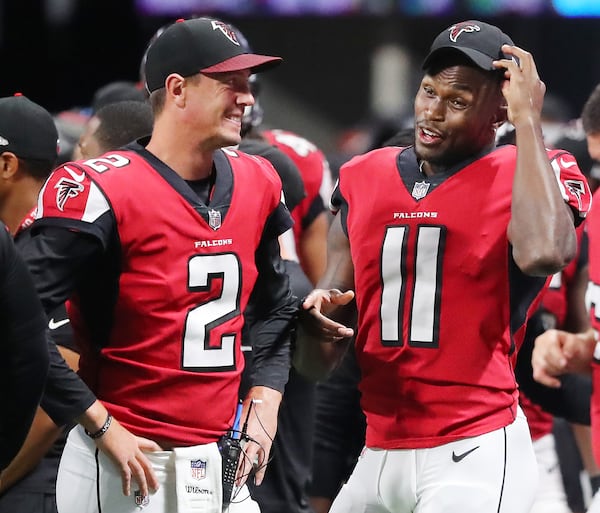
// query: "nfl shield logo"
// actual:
[[214, 219], [198, 469], [141, 500], [420, 190]]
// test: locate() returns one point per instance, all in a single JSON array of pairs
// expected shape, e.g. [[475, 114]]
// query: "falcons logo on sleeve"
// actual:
[[577, 189], [68, 188]]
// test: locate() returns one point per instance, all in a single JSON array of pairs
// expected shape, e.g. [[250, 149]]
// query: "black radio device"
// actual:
[[230, 449]]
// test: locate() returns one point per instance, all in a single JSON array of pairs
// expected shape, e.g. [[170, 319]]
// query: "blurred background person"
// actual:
[[28, 152]]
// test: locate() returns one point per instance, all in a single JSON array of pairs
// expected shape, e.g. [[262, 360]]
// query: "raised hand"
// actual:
[[523, 89], [316, 307]]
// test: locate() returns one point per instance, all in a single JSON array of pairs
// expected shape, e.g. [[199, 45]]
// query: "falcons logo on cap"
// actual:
[[459, 28], [68, 188], [226, 30]]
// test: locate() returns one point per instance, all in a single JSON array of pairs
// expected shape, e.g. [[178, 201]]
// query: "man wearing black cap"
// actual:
[[447, 258], [30, 479], [29, 149], [160, 247]]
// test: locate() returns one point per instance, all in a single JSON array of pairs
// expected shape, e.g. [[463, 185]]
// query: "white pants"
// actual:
[[88, 482], [550, 496], [492, 473], [594, 506]]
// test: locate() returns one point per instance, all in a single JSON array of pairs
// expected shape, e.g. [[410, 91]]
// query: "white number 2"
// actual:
[[198, 355], [426, 286]]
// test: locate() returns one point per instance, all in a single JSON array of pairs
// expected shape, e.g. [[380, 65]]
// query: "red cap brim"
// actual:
[[251, 61]]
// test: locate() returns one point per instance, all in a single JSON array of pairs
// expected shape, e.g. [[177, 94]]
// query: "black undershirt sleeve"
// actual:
[[270, 313], [66, 395], [23, 351], [56, 257]]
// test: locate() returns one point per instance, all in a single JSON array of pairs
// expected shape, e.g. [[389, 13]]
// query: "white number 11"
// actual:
[[426, 286]]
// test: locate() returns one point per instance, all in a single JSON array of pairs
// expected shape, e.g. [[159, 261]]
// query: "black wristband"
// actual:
[[102, 430]]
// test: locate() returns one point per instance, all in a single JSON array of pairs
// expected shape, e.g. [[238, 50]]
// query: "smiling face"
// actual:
[[215, 104], [456, 111]]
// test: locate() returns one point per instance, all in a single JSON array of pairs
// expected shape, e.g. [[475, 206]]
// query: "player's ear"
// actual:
[[9, 163], [501, 115], [175, 86]]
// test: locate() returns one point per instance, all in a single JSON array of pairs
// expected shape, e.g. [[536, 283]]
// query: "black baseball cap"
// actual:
[[479, 41], [199, 45], [27, 129]]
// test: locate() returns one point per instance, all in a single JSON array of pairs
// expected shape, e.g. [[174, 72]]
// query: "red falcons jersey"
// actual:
[[540, 422], [554, 302], [314, 169], [442, 305], [168, 361]]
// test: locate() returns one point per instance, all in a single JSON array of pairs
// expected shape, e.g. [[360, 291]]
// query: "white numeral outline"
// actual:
[[197, 354], [426, 287], [592, 299], [103, 164]]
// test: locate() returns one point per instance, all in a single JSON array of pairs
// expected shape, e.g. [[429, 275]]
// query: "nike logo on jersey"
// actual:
[[566, 165], [459, 457], [78, 178], [54, 325]]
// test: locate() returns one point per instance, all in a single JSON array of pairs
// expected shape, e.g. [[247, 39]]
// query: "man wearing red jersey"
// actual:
[[448, 257], [311, 220], [303, 250], [559, 352], [558, 309], [153, 246]]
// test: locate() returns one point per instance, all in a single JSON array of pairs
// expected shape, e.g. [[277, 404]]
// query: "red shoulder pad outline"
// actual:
[[301, 146], [573, 184], [70, 193]]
